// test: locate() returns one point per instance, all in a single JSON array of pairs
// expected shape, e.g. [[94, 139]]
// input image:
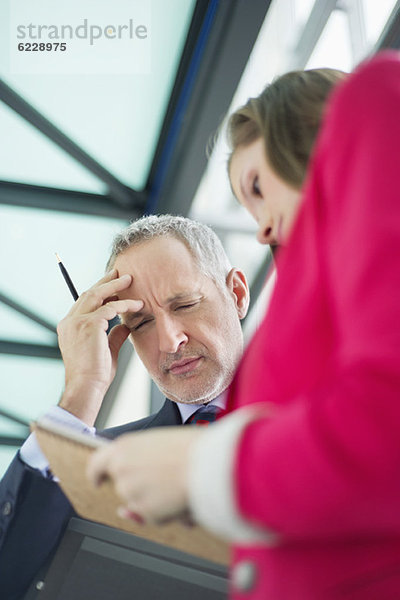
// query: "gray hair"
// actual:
[[201, 241]]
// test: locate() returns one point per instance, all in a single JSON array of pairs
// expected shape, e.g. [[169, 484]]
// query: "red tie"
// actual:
[[204, 415]]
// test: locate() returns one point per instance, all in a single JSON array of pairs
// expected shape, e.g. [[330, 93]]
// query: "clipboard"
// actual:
[[68, 452]]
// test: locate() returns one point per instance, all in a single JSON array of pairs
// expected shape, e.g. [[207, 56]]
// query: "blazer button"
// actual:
[[6, 509], [244, 576]]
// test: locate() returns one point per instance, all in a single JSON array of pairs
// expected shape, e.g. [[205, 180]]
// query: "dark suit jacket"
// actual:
[[34, 513]]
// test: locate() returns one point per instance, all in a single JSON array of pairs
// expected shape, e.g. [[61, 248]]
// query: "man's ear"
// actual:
[[236, 283]]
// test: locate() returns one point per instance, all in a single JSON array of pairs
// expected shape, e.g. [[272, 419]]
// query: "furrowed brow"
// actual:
[[181, 296]]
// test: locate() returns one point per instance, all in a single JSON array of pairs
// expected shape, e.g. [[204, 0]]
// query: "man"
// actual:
[[180, 303]]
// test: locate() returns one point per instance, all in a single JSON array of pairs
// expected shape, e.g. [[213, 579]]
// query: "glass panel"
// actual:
[[17, 327], [30, 157], [115, 118], [302, 11], [28, 267], [333, 48], [9, 427], [376, 15], [29, 387]]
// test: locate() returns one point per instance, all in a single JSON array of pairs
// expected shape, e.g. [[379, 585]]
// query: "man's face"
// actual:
[[188, 332]]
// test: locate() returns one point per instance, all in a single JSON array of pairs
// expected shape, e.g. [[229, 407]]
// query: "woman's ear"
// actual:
[[236, 283]]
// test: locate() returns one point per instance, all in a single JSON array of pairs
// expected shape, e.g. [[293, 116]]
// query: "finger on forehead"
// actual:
[[114, 285], [98, 294], [109, 276], [109, 290], [119, 307]]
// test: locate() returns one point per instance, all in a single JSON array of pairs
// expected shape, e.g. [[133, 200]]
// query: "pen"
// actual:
[[67, 278], [115, 321]]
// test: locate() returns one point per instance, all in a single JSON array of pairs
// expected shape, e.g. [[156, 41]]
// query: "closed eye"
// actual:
[[184, 306], [255, 188], [137, 327]]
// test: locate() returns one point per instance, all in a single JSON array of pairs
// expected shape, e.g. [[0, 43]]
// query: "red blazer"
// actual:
[[324, 471]]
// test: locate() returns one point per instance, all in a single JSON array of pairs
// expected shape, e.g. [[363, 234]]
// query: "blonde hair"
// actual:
[[287, 115]]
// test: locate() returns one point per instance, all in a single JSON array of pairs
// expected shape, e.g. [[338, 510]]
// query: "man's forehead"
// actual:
[[167, 271], [165, 252], [161, 259]]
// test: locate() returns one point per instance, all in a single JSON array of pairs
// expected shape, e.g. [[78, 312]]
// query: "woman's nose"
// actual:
[[264, 234]]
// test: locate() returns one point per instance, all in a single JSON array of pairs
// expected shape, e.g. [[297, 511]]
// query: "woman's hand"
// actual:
[[149, 470]]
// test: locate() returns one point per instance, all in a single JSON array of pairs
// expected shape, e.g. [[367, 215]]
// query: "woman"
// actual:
[[282, 124], [303, 476]]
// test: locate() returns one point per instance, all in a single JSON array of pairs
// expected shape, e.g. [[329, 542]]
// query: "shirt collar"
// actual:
[[187, 410]]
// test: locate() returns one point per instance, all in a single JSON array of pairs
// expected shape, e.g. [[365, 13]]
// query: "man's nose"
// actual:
[[170, 335]]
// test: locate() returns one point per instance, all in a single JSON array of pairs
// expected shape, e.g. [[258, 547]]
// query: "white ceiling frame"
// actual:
[[358, 32], [319, 16]]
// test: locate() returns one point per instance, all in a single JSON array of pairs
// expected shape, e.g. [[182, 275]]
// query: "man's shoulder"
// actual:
[[167, 416]]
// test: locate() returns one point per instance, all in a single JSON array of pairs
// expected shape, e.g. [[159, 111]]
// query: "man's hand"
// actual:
[[149, 471], [90, 356]]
